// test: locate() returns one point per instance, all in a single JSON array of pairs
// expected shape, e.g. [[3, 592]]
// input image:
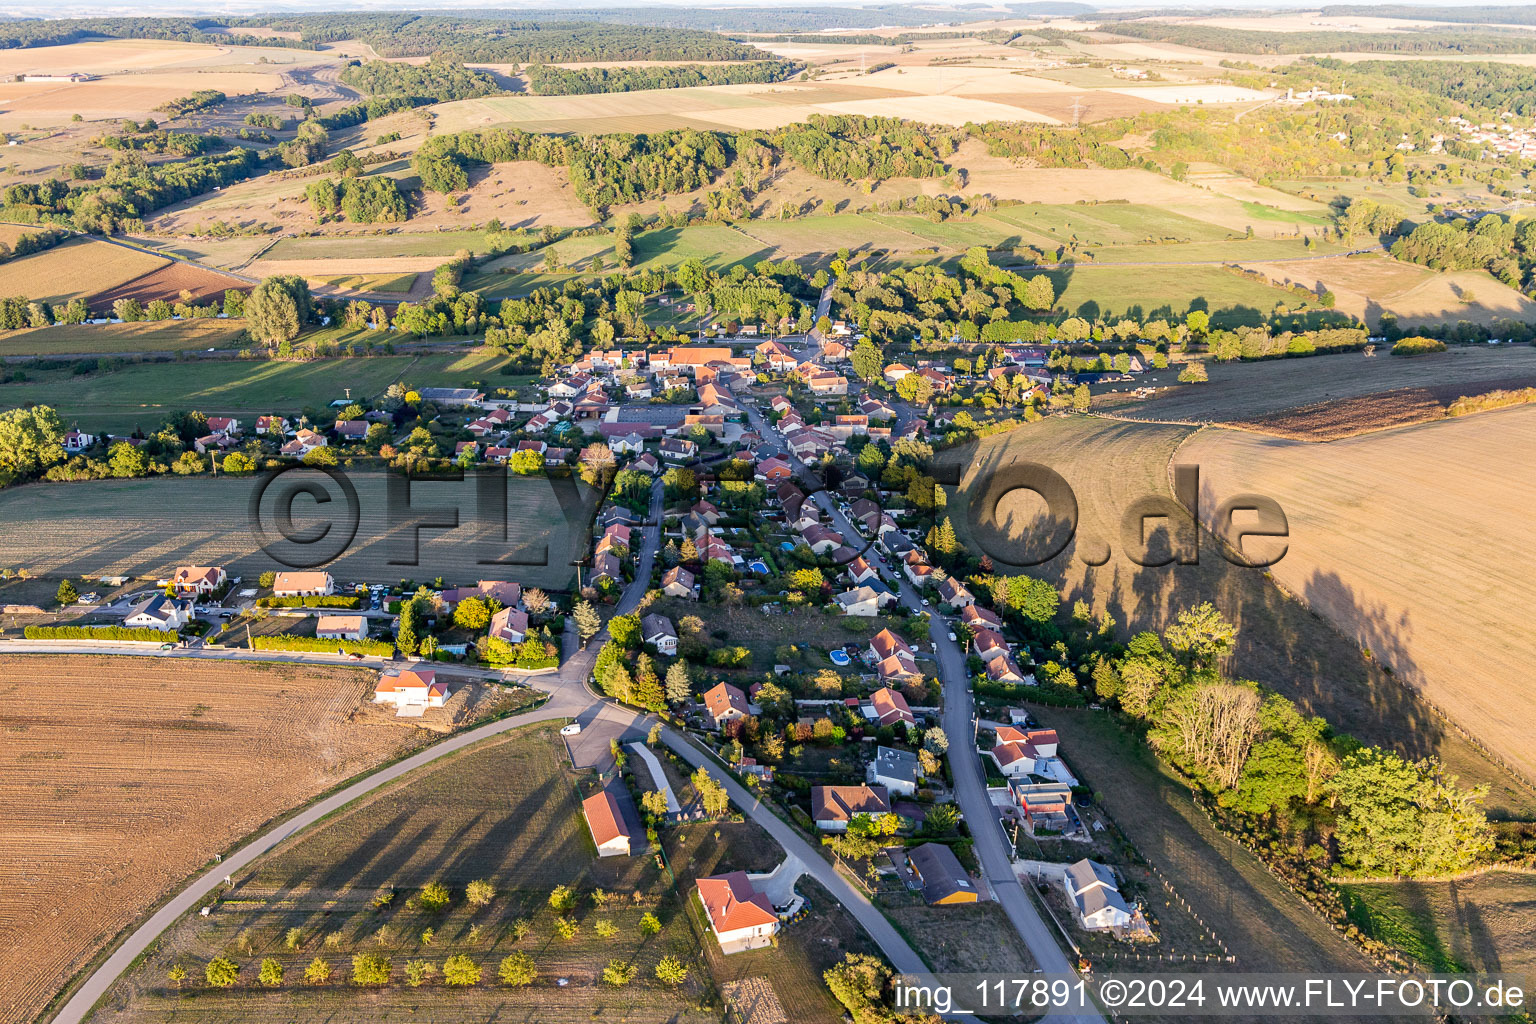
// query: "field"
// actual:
[[173, 283], [79, 268], [1110, 466], [1239, 392], [1169, 292], [1477, 924], [506, 811], [1363, 512], [116, 791], [1367, 287], [142, 394], [370, 247], [157, 336], [149, 526]]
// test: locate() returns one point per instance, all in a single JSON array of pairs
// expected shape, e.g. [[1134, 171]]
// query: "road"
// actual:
[[570, 698], [991, 843]]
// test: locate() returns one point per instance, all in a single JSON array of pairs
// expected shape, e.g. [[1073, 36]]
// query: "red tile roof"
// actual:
[[732, 903]]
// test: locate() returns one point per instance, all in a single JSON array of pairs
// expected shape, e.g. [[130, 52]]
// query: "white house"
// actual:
[[342, 627], [613, 821], [412, 691], [862, 601], [896, 770], [198, 579], [167, 614], [303, 584], [78, 441], [1093, 891], [658, 631], [739, 915]]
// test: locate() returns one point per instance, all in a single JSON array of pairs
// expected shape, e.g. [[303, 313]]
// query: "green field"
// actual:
[[1483, 923], [371, 282], [361, 247], [1108, 223], [142, 394], [160, 336], [1146, 292], [1262, 211]]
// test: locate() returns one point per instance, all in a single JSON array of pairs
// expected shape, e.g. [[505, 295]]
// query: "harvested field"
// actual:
[[152, 525], [79, 268], [1239, 392], [103, 339], [1483, 923], [173, 283], [346, 252], [1367, 287], [48, 103], [115, 793], [1281, 643], [1363, 512], [1330, 421]]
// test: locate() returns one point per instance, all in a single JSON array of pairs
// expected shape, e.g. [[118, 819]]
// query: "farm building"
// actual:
[[613, 821], [739, 915]]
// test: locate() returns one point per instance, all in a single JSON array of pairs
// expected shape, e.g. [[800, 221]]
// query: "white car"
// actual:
[[925, 602], [570, 730], [951, 636]]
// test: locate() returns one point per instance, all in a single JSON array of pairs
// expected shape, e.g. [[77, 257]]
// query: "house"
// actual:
[[678, 582], [896, 371], [342, 627], [226, 426], [867, 513], [509, 595], [863, 601], [979, 618], [647, 463], [1096, 895], [303, 584], [629, 444], [451, 396], [198, 579], [690, 358], [638, 390], [213, 442], [1006, 670], [875, 409], [613, 821], [1044, 803], [739, 915], [272, 425], [411, 691], [678, 449], [167, 614], [821, 539], [510, 624], [304, 442], [606, 566], [777, 355], [707, 511], [472, 447], [860, 571], [77, 441], [725, 702], [498, 454], [938, 871], [893, 658], [351, 430], [834, 352], [953, 593], [989, 645], [658, 631], [833, 807], [896, 770], [916, 566], [890, 707]]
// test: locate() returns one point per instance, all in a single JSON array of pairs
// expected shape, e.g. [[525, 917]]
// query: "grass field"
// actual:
[[1364, 510], [79, 268], [114, 793], [1109, 223], [506, 811], [147, 526], [1482, 923], [159, 336], [434, 243], [1168, 292], [1111, 465], [371, 282]]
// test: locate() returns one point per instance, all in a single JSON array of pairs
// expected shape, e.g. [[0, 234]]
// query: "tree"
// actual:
[[472, 613], [1198, 321], [1208, 730], [867, 361], [277, 309], [711, 793], [858, 983], [588, 623], [619, 973], [654, 803], [370, 969], [1201, 635], [1193, 373], [650, 924], [419, 972], [271, 973], [566, 927], [434, 896], [67, 594], [461, 971], [479, 892], [221, 972], [671, 971], [1081, 398], [935, 740], [1039, 293], [30, 440], [678, 687], [318, 972], [624, 630], [517, 970], [536, 601], [176, 975], [562, 900], [942, 819], [1407, 818]]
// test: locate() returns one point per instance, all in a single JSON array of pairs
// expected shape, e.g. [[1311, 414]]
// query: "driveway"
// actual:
[[659, 777]]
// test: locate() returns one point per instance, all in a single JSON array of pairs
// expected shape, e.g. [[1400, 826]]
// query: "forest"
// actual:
[[1480, 15], [437, 81], [549, 80], [1233, 40]]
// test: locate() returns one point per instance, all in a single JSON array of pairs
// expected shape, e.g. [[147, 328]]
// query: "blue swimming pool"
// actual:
[[839, 658]]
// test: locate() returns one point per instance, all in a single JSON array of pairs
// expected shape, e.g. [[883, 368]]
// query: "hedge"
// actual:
[[528, 664], [289, 642], [1417, 346], [331, 601], [97, 633], [1015, 330]]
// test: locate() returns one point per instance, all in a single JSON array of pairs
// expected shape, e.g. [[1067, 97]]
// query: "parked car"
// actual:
[[90, 598], [951, 635], [570, 730]]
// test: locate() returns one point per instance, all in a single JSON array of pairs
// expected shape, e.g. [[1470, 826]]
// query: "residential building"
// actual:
[[658, 631], [510, 624], [678, 582], [862, 601], [725, 702], [896, 770], [613, 821], [890, 707], [739, 915], [351, 430], [833, 807], [678, 449], [979, 618], [1095, 895], [1044, 803], [938, 871], [77, 441], [953, 593], [303, 584], [893, 658], [342, 627], [167, 614], [411, 691], [507, 594], [198, 579]]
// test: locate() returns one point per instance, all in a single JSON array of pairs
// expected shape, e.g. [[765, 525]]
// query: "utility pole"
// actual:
[[1077, 111]]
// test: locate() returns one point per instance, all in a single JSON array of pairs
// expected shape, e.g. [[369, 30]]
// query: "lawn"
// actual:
[[96, 339]]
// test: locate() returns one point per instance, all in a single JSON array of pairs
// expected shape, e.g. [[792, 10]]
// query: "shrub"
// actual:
[[619, 973], [96, 633], [315, 601], [517, 970], [671, 971], [221, 972], [562, 899], [370, 969], [461, 970], [289, 642], [1417, 346], [318, 972], [650, 924], [566, 927], [479, 892], [418, 972], [271, 973], [434, 896]]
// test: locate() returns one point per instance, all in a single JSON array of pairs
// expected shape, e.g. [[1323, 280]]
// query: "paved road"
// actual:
[[991, 843]]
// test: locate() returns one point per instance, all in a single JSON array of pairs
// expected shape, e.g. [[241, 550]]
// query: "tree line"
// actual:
[[1236, 40], [551, 80], [440, 79]]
